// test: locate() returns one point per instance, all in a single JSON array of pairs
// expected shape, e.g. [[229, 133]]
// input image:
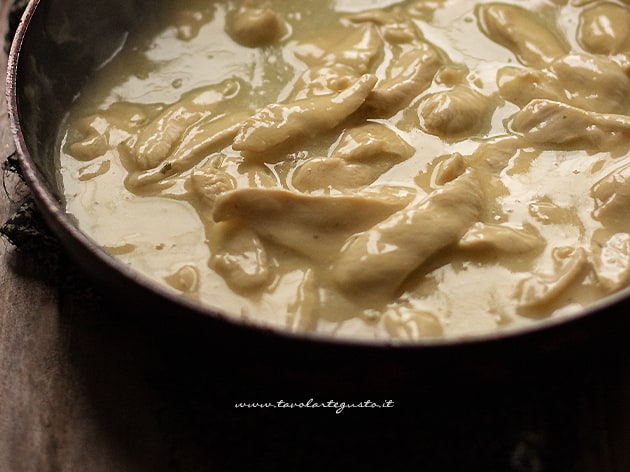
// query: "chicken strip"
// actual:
[[157, 140], [312, 225], [278, 123], [543, 288], [493, 237], [611, 261], [605, 29], [362, 155], [236, 252], [520, 31], [560, 125], [408, 76], [459, 112], [378, 260], [612, 197], [201, 140]]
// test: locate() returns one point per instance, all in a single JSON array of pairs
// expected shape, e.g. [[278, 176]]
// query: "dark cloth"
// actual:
[[17, 8]]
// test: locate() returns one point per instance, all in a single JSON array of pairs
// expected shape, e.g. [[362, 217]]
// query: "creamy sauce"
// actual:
[[373, 169]]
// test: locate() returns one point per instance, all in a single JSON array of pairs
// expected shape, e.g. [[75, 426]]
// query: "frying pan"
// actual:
[[58, 46]]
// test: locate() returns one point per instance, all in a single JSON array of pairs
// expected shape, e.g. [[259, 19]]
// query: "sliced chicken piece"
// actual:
[[544, 288], [605, 29], [278, 123], [558, 124], [522, 32], [205, 138], [594, 83], [412, 324], [372, 141], [448, 169], [612, 196], [377, 261], [312, 225], [362, 154], [503, 238], [210, 181], [237, 253], [611, 262], [407, 76], [158, 139], [453, 74], [323, 81], [493, 156], [239, 256], [201, 140], [334, 173], [255, 27], [456, 113], [358, 47], [521, 85]]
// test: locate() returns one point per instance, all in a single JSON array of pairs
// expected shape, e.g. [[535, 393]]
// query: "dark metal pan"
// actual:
[[58, 46]]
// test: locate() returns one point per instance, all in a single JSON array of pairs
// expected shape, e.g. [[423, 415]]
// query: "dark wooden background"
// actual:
[[86, 385]]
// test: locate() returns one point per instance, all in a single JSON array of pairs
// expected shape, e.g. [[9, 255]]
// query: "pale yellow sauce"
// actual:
[[536, 232]]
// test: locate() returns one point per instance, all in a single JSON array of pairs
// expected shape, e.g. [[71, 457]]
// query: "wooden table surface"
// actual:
[[86, 386]]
